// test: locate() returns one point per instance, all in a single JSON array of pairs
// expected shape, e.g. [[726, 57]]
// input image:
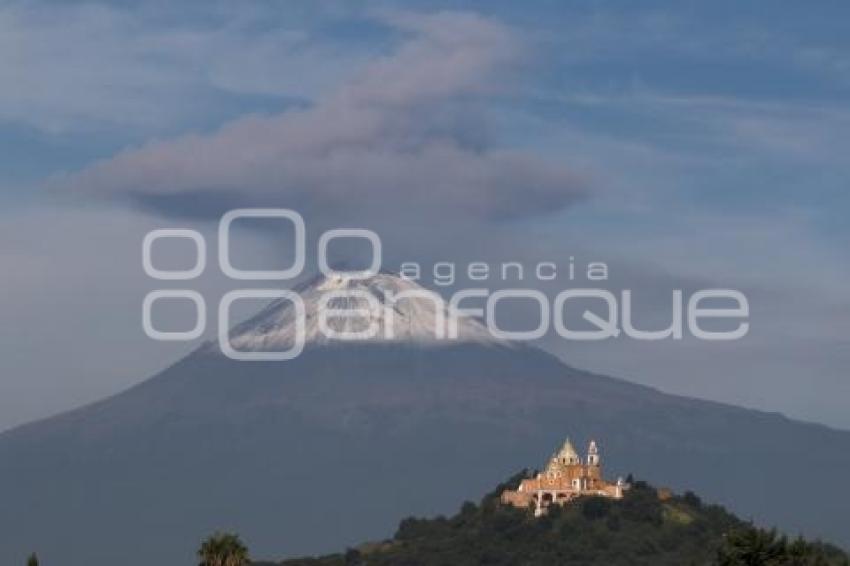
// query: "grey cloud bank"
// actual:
[[404, 134]]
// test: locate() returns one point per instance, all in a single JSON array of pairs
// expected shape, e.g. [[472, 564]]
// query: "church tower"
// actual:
[[593, 454]]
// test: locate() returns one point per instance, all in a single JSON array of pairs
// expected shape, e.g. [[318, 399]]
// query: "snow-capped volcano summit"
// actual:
[[339, 307]]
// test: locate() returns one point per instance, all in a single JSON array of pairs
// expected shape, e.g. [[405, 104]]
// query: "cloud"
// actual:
[[66, 66], [406, 136], [95, 67]]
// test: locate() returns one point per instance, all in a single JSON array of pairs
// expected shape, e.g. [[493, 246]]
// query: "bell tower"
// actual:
[[593, 454]]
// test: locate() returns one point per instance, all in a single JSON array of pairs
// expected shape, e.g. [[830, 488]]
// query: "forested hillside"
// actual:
[[640, 529]]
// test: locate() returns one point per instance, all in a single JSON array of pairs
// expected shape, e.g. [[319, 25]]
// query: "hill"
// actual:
[[640, 529]]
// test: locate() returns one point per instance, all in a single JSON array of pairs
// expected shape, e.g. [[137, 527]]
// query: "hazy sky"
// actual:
[[686, 144]]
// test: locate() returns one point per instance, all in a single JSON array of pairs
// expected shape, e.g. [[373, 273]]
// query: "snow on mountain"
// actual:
[[380, 308]]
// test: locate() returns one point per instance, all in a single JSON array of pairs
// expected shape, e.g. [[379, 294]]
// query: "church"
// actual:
[[565, 478]]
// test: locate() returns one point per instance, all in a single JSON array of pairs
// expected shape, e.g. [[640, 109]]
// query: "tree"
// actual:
[[223, 549], [692, 499], [353, 557], [753, 547], [595, 507], [32, 560]]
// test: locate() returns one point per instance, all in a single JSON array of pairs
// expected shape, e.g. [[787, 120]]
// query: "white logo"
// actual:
[[611, 317]]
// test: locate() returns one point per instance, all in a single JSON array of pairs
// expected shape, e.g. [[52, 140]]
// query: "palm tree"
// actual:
[[32, 560], [223, 549]]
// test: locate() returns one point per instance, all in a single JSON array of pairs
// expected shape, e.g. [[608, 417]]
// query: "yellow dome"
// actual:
[[568, 454]]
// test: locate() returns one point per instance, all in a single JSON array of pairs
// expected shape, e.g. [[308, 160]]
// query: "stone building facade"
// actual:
[[565, 478]]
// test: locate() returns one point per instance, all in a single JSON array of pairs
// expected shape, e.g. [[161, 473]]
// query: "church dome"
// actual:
[[568, 454]]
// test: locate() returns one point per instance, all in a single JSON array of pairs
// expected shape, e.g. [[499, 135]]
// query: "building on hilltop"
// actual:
[[565, 478]]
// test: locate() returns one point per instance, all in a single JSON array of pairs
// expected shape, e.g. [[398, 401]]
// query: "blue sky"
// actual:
[[685, 143]]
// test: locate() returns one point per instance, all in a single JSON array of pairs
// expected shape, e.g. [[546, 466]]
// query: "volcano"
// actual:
[[335, 446]]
